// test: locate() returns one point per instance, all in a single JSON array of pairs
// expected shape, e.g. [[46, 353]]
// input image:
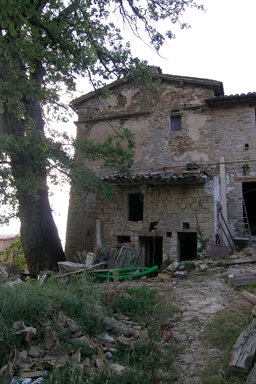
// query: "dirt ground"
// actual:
[[198, 298]]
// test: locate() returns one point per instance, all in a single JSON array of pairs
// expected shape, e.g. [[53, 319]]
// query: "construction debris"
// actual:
[[34, 359]]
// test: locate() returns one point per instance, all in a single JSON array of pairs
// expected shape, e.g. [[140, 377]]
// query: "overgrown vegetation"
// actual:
[[222, 334], [14, 254], [86, 303], [138, 304], [201, 239]]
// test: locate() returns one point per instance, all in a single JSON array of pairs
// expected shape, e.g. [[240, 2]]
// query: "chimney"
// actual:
[[156, 70]]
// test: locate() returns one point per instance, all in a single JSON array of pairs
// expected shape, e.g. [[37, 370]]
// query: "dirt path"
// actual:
[[199, 298]]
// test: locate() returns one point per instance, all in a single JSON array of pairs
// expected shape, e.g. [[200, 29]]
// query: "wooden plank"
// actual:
[[240, 281], [112, 257], [252, 377], [242, 262], [244, 179], [249, 296], [244, 351], [33, 374], [127, 258]]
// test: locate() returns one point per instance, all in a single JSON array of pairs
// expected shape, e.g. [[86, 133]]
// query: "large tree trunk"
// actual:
[[39, 236]]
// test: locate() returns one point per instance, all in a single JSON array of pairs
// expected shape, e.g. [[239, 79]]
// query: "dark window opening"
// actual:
[[135, 207], [246, 146], [175, 123], [187, 245], [246, 169], [249, 195], [169, 234], [152, 226], [123, 239], [185, 225]]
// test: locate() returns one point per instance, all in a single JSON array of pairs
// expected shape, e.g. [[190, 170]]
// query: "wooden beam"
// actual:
[[244, 351], [244, 179]]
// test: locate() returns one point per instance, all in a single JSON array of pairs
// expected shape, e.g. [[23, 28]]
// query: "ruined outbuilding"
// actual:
[[193, 177]]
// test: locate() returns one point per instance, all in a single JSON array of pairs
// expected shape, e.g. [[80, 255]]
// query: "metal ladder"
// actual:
[[242, 223]]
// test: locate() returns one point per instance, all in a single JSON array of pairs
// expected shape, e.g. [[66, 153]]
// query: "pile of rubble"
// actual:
[[10, 273], [39, 351], [204, 264]]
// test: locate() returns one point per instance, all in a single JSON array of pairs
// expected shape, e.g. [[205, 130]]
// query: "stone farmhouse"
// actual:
[[193, 177]]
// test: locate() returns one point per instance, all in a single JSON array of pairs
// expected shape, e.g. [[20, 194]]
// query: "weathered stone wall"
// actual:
[[80, 233], [233, 134], [169, 206], [156, 146], [207, 134]]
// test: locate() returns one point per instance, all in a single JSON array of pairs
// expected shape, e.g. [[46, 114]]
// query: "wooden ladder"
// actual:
[[242, 223]]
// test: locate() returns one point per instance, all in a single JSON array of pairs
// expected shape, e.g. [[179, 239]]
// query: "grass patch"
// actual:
[[32, 303], [221, 333], [137, 303], [85, 303]]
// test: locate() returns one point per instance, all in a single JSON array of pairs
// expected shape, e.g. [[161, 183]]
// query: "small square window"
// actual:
[[123, 239], [175, 123]]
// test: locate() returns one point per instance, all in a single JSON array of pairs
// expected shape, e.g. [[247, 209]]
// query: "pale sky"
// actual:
[[220, 45]]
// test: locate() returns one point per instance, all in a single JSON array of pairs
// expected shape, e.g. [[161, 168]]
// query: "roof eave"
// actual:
[[243, 98], [217, 86]]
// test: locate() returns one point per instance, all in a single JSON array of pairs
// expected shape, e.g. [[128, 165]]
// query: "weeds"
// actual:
[[222, 334], [202, 240], [31, 303], [137, 304], [14, 254], [81, 302]]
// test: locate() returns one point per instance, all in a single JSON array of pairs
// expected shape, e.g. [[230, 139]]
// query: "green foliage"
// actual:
[[36, 304], [44, 47], [220, 262], [226, 326], [14, 254], [138, 304], [67, 375], [189, 265], [166, 264], [30, 303], [127, 377], [202, 240]]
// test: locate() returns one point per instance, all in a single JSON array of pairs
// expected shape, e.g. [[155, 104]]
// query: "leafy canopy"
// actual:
[[44, 46]]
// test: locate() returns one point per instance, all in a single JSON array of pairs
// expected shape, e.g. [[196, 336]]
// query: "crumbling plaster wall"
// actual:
[[156, 146]]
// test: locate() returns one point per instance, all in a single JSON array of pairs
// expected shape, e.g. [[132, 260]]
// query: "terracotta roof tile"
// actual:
[[195, 176], [231, 98]]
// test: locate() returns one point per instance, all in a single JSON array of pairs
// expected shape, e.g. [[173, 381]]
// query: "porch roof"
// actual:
[[195, 176]]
